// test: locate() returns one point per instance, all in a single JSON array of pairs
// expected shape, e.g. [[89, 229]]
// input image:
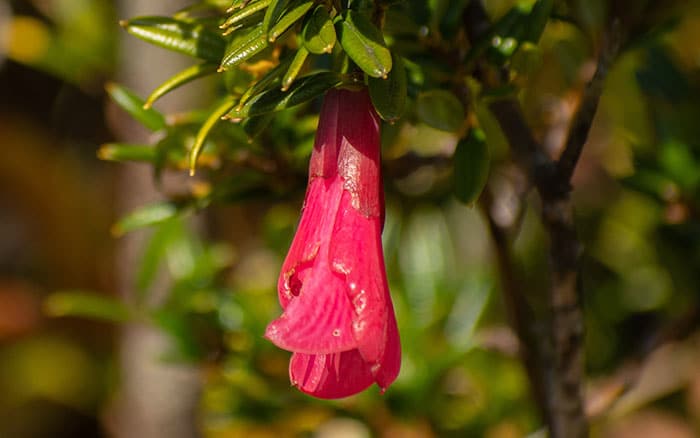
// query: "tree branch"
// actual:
[[558, 383], [580, 126]]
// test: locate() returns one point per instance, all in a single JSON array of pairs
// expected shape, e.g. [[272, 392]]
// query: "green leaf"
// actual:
[[273, 13], [87, 304], [180, 36], [145, 216], [243, 13], [537, 20], [441, 110], [254, 126], [132, 104], [163, 238], [207, 126], [295, 67], [180, 79], [303, 90], [318, 33], [363, 43], [126, 152], [272, 77], [241, 49], [471, 166], [389, 95], [295, 13]]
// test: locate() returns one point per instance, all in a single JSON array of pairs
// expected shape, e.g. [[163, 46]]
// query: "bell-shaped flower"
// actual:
[[338, 319]]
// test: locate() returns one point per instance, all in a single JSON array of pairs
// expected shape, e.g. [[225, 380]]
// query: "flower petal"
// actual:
[[330, 375], [319, 320]]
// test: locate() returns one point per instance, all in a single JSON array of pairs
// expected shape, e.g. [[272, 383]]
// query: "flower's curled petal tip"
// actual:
[[318, 321], [330, 376]]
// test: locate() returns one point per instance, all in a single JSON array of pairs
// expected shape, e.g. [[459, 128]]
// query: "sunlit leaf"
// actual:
[[244, 13], [179, 36], [363, 43], [87, 304], [240, 50], [294, 14], [180, 79], [318, 32], [207, 126], [273, 13], [295, 67], [126, 152]]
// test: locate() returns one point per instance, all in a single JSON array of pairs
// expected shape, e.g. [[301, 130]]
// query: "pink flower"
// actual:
[[338, 318]]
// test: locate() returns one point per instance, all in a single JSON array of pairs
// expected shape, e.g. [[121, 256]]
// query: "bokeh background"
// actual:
[[158, 332]]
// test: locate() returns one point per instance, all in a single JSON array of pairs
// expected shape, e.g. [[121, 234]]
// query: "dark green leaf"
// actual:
[[241, 49], [254, 126], [363, 43], [179, 36], [86, 304], [134, 105], [440, 109], [471, 166], [318, 32], [389, 95], [537, 20], [126, 152], [303, 90], [294, 68], [180, 79]]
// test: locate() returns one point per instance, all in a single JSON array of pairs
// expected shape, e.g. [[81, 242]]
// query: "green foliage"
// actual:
[[271, 59]]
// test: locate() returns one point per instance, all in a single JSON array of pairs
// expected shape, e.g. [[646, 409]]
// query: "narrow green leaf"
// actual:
[[144, 217], [389, 95], [303, 90], [294, 68], [244, 13], [126, 152], [180, 79], [318, 33], [86, 304], [164, 237], [207, 126], [237, 4], [363, 43], [273, 13], [132, 104], [471, 166], [294, 14], [441, 110], [179, 36], [244, 48]]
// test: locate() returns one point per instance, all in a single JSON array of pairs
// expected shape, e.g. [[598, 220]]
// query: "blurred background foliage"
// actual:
[[636, 197]]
